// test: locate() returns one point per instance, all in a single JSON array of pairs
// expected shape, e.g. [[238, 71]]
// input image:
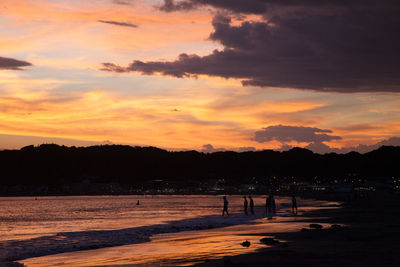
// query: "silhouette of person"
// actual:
[[225, 207], [138, 202], [294, 204], [245, 204], [251, 205], [268, 207], [273, 204]]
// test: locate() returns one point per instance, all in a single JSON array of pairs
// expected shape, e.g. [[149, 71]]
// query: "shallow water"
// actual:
[[178, 249], [175, 249], [52, 225], [24, 217]]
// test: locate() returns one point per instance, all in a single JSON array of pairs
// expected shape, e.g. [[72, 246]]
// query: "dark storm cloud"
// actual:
[[239, 6], [12, 64], [262, 6], [125, 24], [171, 5], [299, 134], [316, 45]]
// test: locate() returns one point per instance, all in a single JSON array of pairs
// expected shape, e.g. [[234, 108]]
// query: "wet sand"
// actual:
[[185, 248], [370, 237]]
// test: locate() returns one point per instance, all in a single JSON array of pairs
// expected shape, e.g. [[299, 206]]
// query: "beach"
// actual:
[[178, 243], [369, 236], [365, 232]]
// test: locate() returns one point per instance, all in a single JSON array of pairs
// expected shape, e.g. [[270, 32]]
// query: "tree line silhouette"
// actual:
[[54, 165]]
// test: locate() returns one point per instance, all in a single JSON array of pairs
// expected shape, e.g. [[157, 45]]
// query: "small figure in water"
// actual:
[[294, 204], [138, 202], [225, 207], [251, 205], [245, 203]]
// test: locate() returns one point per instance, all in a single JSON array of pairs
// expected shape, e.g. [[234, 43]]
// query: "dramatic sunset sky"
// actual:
[[201, 74]]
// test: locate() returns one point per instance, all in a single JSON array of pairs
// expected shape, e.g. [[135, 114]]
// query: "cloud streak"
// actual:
[[209, 148], [123, 2], [118, 23], [13, 64]]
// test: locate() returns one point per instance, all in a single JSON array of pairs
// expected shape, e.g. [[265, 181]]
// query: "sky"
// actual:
[[201, 74]]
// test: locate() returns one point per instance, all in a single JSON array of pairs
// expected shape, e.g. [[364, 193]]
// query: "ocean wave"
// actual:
[[14, 250]]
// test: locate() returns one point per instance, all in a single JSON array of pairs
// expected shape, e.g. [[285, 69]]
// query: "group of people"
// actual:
[[270, 205], [245, 204]]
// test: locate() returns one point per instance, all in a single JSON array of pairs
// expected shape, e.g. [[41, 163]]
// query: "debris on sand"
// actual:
[[316, 226], [269, 241], [246, 244]]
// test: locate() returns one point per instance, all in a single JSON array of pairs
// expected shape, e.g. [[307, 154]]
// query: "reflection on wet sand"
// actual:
[[180, 249]]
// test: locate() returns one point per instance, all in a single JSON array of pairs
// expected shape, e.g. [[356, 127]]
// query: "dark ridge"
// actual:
[[54, 169]]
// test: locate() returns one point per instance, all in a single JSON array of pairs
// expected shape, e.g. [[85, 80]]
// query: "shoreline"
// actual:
[[131, 228], [369, 236], [185, 248]]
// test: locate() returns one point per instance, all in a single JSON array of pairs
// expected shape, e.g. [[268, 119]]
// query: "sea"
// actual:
[[133, 230]]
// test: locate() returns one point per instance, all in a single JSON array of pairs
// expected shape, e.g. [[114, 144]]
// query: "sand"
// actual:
[[370, 236], [187, 247]]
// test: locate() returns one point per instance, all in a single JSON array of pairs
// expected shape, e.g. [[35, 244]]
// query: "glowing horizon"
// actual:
[[65, 94]]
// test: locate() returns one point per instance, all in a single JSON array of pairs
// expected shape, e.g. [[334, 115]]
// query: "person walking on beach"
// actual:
[[251, 205], [268, 207], [245, 204], [225, 207], [294, 204], [273, 204]]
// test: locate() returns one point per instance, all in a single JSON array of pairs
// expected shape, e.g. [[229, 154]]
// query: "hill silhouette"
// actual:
[[54, 167]]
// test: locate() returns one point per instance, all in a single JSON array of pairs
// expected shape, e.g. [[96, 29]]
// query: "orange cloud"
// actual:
[[65, 96]]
